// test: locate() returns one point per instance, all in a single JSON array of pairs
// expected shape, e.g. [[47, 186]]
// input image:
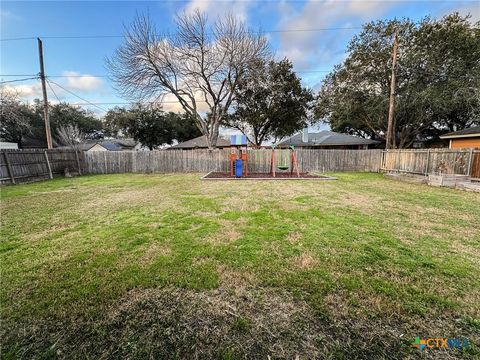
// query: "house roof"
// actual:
[[199, 142], [469, 132], [32, 143], [326, 138], [110, 145]]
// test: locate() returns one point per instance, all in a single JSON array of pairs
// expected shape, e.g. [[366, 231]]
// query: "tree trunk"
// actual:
[[213, 136]]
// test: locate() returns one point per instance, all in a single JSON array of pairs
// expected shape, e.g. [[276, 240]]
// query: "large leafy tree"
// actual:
[[150, 125], [438, 80], [15, 120], [21, 121], [270, 102], [64, 115]]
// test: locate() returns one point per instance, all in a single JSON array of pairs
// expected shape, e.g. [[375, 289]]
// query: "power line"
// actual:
[[106, 76], [164, 35], [19, 38], [16, 80], [77, 76], [129, 103], [53, 91], [16, 75], [72, 93], [314, 30]]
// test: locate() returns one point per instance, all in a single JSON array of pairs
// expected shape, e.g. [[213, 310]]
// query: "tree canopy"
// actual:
[[20, 121], [270, 102], [150, 125], [438, 80], [64, 114]]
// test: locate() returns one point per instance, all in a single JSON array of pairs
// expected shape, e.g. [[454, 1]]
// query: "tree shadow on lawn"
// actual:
[[225, 323]]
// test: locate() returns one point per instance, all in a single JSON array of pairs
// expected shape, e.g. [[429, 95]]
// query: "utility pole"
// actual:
[[390, 141], [44, 90]]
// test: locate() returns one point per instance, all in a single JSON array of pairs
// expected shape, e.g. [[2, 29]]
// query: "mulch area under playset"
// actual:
[[286, 168], [266, 176]]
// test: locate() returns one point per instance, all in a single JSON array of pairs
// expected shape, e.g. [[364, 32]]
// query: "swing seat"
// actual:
[[283, 167]]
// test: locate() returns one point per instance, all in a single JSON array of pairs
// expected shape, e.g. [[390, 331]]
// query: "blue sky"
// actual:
[[312, 52]]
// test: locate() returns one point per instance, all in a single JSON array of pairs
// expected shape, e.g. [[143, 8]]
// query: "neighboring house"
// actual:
[[429, 143], [327, 140], [466, 138], [108, 145], [117, 144], [8, 145], [31, 143], [199, 143]]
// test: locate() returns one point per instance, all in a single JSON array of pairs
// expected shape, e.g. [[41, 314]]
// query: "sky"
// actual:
[[78, 36]]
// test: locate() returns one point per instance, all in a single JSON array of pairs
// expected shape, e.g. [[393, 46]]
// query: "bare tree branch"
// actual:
[[199, 64]]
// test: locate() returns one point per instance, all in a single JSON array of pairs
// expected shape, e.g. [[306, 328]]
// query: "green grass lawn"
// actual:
[[168, 266]]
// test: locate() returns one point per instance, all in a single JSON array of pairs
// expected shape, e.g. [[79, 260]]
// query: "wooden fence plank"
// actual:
[[32, 165], [9, 167]]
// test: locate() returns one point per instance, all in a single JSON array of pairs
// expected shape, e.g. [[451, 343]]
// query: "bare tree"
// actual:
[[198, 64], [72, 136]]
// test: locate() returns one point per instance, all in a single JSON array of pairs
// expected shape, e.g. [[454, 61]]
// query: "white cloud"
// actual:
[[77, 83], [170, 103], [215, 9], [309, 49], [465, 8], [83, 83], [5, 14], [27, 91]]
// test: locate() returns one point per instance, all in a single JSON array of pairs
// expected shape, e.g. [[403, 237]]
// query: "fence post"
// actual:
[[105, 162], [50, 175], [78, 162], [428, 162], [134, 162], [469, 170], [9, 168]]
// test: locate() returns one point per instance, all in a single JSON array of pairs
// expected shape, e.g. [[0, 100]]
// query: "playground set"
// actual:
[[283, 164], [239, 158]]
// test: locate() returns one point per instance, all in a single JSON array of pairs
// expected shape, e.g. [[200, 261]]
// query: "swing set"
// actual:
[[281, 159], [284, 162]]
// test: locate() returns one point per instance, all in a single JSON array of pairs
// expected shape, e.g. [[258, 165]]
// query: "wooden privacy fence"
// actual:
[[433, 161], [18, 166], [200, 160]]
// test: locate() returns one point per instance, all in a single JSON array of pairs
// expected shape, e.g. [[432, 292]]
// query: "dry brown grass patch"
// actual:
[[294, 237], [306, 260], [128, 198], [232, 279], [153, 251], [226, 234]]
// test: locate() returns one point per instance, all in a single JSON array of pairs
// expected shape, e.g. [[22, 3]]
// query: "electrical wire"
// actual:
[[53, 91], [143, 102], [106, 76], [16, 80], [78, 96], [16, 75], [121, 36]]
